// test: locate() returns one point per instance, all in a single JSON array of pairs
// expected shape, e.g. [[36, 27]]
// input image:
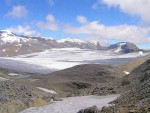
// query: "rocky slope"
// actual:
[[16, 96], [136, 95]]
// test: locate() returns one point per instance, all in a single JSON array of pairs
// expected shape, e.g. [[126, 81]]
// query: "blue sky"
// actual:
[[107, 21]]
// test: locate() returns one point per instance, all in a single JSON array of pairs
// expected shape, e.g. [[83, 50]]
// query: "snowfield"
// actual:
[[57, 59], [73, 104]]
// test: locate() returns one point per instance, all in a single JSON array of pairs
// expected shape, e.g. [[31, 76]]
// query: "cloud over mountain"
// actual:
[[124, 32]]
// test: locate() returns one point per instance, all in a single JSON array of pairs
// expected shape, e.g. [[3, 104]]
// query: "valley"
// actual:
[[74, 56], [85, 76]]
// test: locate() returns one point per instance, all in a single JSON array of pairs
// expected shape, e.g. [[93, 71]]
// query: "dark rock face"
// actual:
[[125, 47], [129, 47]]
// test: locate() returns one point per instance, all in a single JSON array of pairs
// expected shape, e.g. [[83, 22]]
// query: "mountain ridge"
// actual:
[[12, 44]]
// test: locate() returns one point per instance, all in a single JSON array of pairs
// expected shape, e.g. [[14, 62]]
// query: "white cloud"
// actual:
[[139, 8], [51, 2], [50, 18], [96, 4], [24, 30], [99, 31], [50, 23], [18, 11], [82, 19]]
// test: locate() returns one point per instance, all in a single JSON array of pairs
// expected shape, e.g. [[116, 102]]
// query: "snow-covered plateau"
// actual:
[[73, 104], [58, 59]]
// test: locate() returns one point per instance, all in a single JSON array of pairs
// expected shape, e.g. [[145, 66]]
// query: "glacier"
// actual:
[[57, 59]]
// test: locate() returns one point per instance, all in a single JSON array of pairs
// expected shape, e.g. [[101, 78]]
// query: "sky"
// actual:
[[106, 21]]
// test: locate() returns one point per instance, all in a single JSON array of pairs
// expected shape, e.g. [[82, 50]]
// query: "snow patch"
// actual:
[[13, 74], [48, 38], [4, 50], [122, 43], [16, 75], [141, 53], [3, 79], [126, 72], [8, 37], [47, 90], [71, 40], [7, 32], [17, 50], [31, 45], [118, 50]]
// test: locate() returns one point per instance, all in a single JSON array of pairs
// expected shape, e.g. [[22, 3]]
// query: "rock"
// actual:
[[92, 109], [104, 90]]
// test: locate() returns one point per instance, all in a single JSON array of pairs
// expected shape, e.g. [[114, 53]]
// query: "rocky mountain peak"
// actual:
[[124, 47]]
